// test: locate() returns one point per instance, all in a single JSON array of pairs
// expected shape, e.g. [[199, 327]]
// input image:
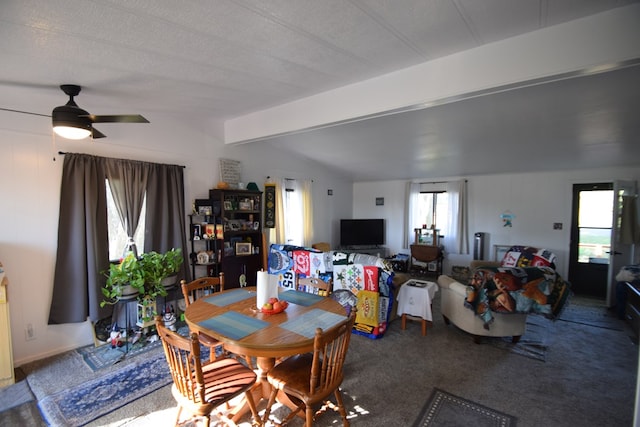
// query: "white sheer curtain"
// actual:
[[411, 197], [294, 212], [307, 213], [280, 236], [456, 238]]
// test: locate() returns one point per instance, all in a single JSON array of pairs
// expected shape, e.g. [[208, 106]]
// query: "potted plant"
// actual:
[[172, 261], [124, 280]]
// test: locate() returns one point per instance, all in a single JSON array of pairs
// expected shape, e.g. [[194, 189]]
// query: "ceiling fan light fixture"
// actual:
[[71, 132], [67, 122]]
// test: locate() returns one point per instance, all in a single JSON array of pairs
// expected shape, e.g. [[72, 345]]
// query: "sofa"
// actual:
[[500, 295]]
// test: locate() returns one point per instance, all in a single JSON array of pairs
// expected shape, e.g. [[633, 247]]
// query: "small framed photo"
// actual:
[[196, 231], [243, 248], [228, 205], [210, 230], [204, 210]]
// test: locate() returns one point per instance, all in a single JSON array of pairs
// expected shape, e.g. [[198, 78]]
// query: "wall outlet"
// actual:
[[557, 226], [30, 333]]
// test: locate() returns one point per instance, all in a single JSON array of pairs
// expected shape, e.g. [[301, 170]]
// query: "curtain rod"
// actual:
[[438, 182], [62, 153]]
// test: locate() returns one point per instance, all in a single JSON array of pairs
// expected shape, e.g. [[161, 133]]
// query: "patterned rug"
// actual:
[[445, 409], [595, 316], [533, 344], [104, 356], [90, 400]]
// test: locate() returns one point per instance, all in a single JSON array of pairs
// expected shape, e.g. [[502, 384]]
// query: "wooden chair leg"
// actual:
[[341, 408]]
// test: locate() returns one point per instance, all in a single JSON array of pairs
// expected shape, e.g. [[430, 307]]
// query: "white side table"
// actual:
[[414, 299]]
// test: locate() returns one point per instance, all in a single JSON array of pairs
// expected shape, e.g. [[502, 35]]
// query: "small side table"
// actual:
[[414, 299]]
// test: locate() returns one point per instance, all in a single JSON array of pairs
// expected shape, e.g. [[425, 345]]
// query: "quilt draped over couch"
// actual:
[[367, 279], [538, 290]]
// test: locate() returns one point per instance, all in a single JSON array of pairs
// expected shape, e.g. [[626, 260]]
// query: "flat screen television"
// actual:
[[361, 232]]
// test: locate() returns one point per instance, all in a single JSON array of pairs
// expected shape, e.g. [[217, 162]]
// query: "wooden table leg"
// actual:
[[403, 325]]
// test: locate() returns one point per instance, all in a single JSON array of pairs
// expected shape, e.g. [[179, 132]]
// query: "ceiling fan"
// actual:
[[72, 122]]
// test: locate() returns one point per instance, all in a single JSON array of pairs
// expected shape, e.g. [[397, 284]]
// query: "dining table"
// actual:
[[232, 317]]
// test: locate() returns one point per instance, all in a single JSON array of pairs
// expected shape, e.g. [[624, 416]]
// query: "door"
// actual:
[[622, 238], [591, 230]]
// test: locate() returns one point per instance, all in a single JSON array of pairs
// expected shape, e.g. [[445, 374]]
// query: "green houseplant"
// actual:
[[124, 279], [172, 261], [142, 275]]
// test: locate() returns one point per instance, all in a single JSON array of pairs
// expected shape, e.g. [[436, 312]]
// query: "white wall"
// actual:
[[537, 199], [29, 201]]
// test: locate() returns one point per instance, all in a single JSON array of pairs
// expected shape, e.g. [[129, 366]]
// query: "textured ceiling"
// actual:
[[217, 60]]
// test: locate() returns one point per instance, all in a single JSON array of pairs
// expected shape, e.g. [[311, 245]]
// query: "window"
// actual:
[[433, 210], [595, 216], [118, 239]]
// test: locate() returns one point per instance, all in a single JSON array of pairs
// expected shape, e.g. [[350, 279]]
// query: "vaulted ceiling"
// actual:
[[225, 60]]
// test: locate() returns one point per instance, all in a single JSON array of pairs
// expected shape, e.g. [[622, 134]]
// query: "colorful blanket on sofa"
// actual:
[[537, 290]]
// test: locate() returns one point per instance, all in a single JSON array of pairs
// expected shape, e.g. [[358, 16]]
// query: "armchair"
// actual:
[[453, 295]]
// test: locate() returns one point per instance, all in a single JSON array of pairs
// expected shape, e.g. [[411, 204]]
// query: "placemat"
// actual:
[[304, 299], [225, 298], [233, 325], [306, 324]]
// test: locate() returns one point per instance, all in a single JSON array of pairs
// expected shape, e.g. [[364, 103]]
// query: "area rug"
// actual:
[[444, 409], [90, 400], [595, 316], [533, 344], [104, 356], [15, 395]]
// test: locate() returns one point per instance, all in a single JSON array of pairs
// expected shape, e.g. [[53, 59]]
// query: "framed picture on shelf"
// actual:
[[243, 248], [204, 210], [196, 231], [210, 230], [228, 205]]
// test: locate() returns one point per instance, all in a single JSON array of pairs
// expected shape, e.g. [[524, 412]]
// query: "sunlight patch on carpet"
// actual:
[[445, 409]]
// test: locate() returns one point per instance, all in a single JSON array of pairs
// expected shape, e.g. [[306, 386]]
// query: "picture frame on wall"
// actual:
[[243, 248]]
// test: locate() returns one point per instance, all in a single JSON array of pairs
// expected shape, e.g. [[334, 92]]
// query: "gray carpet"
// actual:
[[588, 378]]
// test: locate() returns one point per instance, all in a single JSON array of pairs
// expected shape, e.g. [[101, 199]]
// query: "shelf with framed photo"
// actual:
[[234, 230], [205, 241]]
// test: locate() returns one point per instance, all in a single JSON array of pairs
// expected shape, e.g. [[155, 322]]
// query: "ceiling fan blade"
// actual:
[[118, 118], [95, 133], [24, 112]]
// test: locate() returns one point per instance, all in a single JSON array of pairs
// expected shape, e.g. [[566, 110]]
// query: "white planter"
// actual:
[[170, 281], [128, 292]]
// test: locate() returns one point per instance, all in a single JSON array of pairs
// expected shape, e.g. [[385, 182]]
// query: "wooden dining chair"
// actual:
[[311, 378], [322, 288], [194, 290], [201, 388]]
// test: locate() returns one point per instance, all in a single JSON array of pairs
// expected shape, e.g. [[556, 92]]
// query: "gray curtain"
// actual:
[[83, 247], [166, 214]]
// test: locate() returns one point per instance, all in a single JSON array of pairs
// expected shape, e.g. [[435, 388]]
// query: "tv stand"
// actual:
[[379, 251]]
